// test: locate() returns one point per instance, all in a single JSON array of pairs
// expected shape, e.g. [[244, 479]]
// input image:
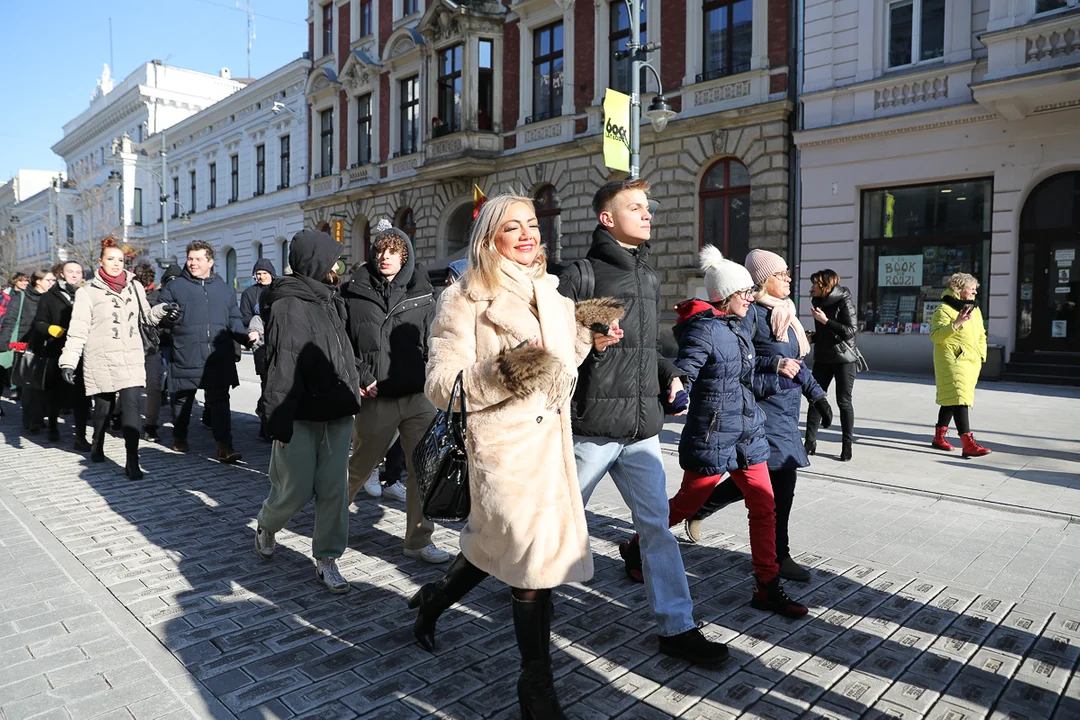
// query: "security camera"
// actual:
[[278, 108]]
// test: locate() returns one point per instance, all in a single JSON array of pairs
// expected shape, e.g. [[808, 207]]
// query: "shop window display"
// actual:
[[913, 239]]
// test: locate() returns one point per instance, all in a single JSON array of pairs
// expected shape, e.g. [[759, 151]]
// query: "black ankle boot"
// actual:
[[97, 449], [810, 445], [536, 686], [132, 469], [845, 450], [436, 598]]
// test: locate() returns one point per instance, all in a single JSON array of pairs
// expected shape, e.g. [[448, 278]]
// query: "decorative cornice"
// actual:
[[888, 132]]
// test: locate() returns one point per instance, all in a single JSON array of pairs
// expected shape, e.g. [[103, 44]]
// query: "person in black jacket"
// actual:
[[155, 366], [312, 391], [263, 273], [50, 329], [203, 355], [31, 398], [617, 413], [391, 306], [835, 354]]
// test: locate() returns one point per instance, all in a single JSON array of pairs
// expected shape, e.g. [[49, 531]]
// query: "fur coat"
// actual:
[[104, 332], [527, 524]]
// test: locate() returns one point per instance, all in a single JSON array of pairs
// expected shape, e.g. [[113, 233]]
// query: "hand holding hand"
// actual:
[[68, 374], [173, 312], [674, 389], [789, 367], [819, 315], [613, 336], [253, 338], [370, 391]]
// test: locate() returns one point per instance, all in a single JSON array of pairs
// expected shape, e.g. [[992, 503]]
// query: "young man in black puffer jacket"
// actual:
[[391, 306], [618, 411], [312, 391]]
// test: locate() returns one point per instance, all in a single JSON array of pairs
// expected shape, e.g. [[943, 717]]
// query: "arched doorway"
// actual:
[[1047, 317], [230, 268], [457, 229]]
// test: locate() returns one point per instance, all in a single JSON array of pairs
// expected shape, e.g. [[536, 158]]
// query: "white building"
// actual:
[[116, 189], [26, 231], [235, 177], [943, 136]]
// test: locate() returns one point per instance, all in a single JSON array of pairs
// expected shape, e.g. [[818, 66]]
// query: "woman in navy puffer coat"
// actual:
[[725, 428]]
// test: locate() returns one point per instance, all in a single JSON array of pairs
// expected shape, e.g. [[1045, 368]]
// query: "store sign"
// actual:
[[617, 130], [1059, 328], [900, 271]]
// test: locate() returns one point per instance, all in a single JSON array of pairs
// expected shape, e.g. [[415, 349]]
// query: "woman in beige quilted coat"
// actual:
[[104, 332], [518, 344]]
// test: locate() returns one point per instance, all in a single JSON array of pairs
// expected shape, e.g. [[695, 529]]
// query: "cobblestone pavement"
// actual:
[[145, 600]]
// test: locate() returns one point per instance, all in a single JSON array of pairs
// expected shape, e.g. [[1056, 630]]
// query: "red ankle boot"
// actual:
[[939, 438], [770, 596], [972, 448]]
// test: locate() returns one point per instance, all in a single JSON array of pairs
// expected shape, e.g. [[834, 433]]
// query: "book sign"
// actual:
[[900, 270], [1058, 328]]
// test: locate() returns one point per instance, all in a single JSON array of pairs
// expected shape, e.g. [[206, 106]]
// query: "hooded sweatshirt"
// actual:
[[310, 368], [249, 299]]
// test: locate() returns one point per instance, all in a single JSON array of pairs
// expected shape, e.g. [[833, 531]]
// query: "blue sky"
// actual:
[[55, 50]]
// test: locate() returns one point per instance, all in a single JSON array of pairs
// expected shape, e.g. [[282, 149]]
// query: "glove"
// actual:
[[173, 312], [822, 406], [681, 402], [56, 331], [68, 374], [787, 383]]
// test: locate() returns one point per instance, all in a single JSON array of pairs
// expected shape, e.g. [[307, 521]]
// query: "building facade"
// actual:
[[412, 103], [940, 137], [235, 176], [113, 189], [33, 220]]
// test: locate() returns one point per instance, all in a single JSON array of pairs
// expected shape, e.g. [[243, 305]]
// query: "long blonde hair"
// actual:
[[482, 272]]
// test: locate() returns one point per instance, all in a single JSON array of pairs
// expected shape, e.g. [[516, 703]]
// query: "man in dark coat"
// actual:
[[203, 355], [312, 391], [617, 410], [263, 273], [50, 330], [391, 305]]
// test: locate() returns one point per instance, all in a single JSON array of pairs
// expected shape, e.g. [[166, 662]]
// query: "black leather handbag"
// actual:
[[440, 462]]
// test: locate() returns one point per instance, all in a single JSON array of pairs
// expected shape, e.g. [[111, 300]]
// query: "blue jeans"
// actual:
[[639, 475]]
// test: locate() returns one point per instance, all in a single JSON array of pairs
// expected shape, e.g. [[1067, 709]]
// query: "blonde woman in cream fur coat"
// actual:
[[518, 343]]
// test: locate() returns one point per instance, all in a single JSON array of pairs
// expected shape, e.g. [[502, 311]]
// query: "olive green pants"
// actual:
[[314, 464]]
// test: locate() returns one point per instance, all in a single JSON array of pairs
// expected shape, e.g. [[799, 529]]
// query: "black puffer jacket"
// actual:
[[389, 325], [249, 307], [203, 354], [618, 391], [29, 299], [54, 308], [310, 369], [834, 342]]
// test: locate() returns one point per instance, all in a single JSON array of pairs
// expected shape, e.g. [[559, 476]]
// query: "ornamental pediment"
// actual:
[[359, 71]]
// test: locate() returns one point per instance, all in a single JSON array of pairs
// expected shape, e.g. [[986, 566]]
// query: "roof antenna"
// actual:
[[111, 65], [250, 30]]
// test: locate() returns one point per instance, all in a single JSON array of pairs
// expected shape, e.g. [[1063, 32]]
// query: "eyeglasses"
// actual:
[[745, 294], [783, 275]]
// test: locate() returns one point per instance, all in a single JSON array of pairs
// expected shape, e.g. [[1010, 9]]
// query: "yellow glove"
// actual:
[[56, 331]]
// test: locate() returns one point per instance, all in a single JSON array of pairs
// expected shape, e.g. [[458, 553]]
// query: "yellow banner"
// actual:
[[617, 130]]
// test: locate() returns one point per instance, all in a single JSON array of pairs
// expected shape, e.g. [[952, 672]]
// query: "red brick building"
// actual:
[[411, 102]]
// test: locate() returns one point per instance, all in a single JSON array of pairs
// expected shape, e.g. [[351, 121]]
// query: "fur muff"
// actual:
[[599, 310], [527, 370]]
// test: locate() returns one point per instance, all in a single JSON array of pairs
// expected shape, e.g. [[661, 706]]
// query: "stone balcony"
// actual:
[[460, 153], [326, 185]]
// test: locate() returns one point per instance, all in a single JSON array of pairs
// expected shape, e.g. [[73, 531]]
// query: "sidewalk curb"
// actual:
[[1004, 507], [197, 698]]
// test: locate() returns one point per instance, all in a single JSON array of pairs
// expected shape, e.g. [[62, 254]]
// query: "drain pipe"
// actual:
[[795, 83]]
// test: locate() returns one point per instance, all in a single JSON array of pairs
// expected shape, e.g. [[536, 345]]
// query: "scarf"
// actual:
[[116, 284], [784, 316]]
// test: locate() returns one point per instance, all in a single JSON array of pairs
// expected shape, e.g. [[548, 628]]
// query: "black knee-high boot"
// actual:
[[536, 686], [100, 419], [436, 598], [131, 445]]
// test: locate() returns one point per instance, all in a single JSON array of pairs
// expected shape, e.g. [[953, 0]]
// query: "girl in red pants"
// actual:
[[724, 428]]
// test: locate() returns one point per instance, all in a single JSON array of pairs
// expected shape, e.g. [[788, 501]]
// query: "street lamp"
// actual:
[[659, 112]]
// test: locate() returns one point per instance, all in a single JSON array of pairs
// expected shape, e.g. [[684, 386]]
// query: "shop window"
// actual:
[[916, 31], [619, 77], [449, 92], [725, 209], [912, 240], [547, 214], [406, 222], [547, 73], [728, 27]]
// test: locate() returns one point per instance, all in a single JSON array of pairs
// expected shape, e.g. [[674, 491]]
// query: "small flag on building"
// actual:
[[478, 200]]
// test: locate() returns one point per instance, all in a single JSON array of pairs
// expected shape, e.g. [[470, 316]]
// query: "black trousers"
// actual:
[[783, 484], [844, 374], [127, 402], [217, 408], [58, 397], [948, 413]]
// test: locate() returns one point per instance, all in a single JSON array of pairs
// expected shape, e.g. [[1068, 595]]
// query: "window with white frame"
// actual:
[[328, 28], [450, 89], [366, 19], [260, 169], [194, 193], [409, 116], [137, 208], [176, 197], [283, 163], [363, 130], [213, 187], [234, 178], [408, 7], [485, 108], [728, 39], [916, 32], [547, 72], [1044, 6], [326, 143]]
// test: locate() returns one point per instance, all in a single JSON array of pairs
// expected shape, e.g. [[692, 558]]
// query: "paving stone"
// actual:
[[768, 711], [913, 693], [677, 695], [739, 692], [312, 696]]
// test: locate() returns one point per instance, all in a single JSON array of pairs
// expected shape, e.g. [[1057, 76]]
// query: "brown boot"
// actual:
[[227, 455]]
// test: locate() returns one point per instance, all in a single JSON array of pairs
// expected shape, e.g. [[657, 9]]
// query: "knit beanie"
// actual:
[[723, 278], [762, 264]]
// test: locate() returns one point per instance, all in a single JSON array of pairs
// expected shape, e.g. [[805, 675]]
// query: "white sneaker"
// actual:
[[430, 554], [394, 492], [264, 542], [372, 486], [326, 570]]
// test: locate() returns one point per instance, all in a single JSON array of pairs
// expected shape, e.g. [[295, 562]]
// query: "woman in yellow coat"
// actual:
[[959, 338]]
